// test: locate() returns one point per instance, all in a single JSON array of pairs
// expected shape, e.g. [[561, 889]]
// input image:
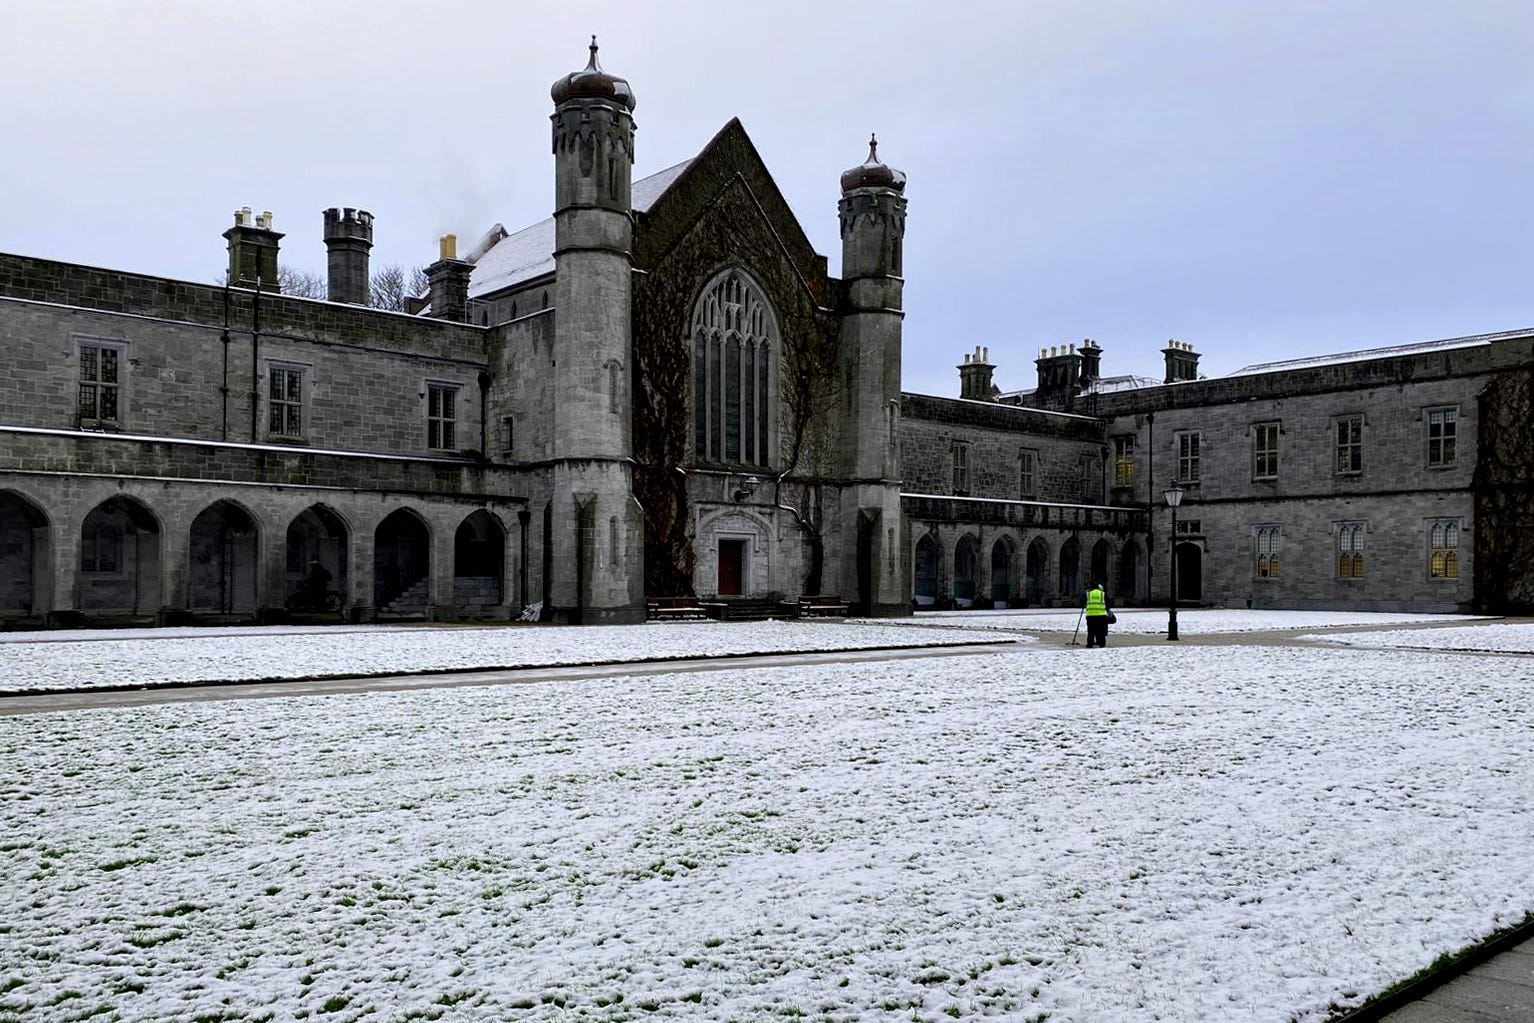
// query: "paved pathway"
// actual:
[[1500, 990]]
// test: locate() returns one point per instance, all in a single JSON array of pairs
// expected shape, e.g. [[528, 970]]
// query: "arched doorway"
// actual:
[[1036, 569], [1190, 573], [120, 557], [1127, 585], [1102, 556], [402, 564], [25, 551], [966, 563], [318, 533], [479, 562], [1001, 572], [224, 562], [1070, 569], [929, 558]]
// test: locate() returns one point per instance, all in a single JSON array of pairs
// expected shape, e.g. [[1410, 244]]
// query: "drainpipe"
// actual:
[[484, 414], [224, 390], [255, 367]]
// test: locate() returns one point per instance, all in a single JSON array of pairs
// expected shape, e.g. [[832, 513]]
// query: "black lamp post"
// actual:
[[1173, 499]]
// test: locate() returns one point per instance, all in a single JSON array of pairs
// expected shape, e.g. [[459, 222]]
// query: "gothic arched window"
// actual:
[[734, 337]]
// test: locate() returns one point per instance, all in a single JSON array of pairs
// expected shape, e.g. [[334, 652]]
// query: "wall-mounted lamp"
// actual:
[[746, 488]]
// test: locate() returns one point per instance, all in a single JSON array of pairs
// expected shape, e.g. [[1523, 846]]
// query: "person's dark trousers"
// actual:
[[1097, 630]]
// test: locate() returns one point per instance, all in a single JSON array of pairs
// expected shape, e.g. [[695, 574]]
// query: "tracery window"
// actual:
[[1443, 549], [734, 339], [1267, 542], [1350, 550]]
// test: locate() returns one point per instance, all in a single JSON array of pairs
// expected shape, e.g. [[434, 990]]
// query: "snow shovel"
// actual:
[[1078, 627]]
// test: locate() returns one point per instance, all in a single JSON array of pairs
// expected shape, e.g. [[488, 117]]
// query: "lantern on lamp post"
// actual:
[[1173, 499]]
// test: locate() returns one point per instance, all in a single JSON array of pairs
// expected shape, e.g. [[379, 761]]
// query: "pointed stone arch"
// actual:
[[1036, 572], [1102, 558], [26, 557], [1003, 554], [402, 564], [927, 582], [120, 557], [224, 559], [1130, 584], [318, 532], [1070, 568], [966, 569], [479, 562]]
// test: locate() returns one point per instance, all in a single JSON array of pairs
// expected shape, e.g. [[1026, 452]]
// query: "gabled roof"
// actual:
[[529, 253]]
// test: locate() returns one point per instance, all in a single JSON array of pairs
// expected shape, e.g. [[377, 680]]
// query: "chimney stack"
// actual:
[[975, 375], [1181, 362], [1091, 362], [1059, 377], [348, 237], [253, 247], [449, 279]]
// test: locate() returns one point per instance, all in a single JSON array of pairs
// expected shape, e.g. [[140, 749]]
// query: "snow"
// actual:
[[1508, 638], [1151, 621], [145, 657], [1151, 833], [1363, 355]]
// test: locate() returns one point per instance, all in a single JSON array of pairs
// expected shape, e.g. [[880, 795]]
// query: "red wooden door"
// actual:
[[732, 558]]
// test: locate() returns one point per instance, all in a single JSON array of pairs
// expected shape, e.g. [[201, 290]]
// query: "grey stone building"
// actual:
[[662, 391]]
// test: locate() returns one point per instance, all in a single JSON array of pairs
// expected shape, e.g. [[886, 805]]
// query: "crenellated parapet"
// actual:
[[593, 138]]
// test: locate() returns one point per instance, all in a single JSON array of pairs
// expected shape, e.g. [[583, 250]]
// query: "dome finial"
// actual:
[[592, 65], [873, 148]]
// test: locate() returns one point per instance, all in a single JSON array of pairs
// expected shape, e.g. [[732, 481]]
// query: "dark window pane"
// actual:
[[87, 401], [700, 398], [109, 403], [732, 400], [748, 411], [88, 364], [109, 366]]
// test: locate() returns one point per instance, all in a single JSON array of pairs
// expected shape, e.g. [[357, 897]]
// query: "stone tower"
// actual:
[[348, 238], [594, 527], [872, 562]]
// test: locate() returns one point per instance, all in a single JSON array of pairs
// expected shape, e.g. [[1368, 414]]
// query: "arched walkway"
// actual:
[[1070, 569], [1102, 555], [1036, 571], [966, 562], [479, 562], [929, 559], [1001, 572], [319, 533], [223, 576], [120, 557], [402, 564], [25, 556], [1127, 585]]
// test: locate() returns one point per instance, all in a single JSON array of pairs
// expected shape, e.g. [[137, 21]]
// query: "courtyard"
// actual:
[[1262, 829]]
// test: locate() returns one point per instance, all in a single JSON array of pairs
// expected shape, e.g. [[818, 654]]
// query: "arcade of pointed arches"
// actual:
[[230, 558], [1010, 569]]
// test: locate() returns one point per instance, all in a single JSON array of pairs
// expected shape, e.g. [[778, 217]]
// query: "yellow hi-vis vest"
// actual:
[[1097, 603]]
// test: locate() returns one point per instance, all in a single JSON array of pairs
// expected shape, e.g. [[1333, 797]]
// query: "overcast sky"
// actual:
[[1264, 180]]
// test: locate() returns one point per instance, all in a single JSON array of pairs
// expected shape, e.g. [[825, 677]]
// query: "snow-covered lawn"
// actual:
[[1191, 622], [56, 661], [1122, 835], [1495, 637]]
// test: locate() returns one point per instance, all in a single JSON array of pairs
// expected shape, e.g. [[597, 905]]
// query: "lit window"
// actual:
[[1350, 550], [1442, 432], [1443, 549], [285, 401], [1267, 543], [1187, 457], [1350, 444], [1123, 461], [1265, 451], [441, 416], [100, 383]]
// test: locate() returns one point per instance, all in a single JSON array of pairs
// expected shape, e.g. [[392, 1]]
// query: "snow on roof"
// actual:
[[529, 253], [1366, 354], [1126, 382]]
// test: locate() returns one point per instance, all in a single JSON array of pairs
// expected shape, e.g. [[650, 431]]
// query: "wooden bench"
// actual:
[[670, 609], [822, 607]]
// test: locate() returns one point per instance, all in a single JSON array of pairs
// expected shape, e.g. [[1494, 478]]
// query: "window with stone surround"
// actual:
[[1264, 451], [1266, 542], [735, 344], [1188, 457], [1350, 549], [1443, 549], [960, 467], [442, 416], [1442, 435], [100, 383], [285, 400], [1349, 432], [1028, 465], [1124, 461]]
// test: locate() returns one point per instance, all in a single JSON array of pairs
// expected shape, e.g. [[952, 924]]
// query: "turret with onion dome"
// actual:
[[593, 83], [873, 173]]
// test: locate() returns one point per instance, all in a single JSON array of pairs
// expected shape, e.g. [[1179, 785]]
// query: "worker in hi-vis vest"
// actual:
[[1097, 616]]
